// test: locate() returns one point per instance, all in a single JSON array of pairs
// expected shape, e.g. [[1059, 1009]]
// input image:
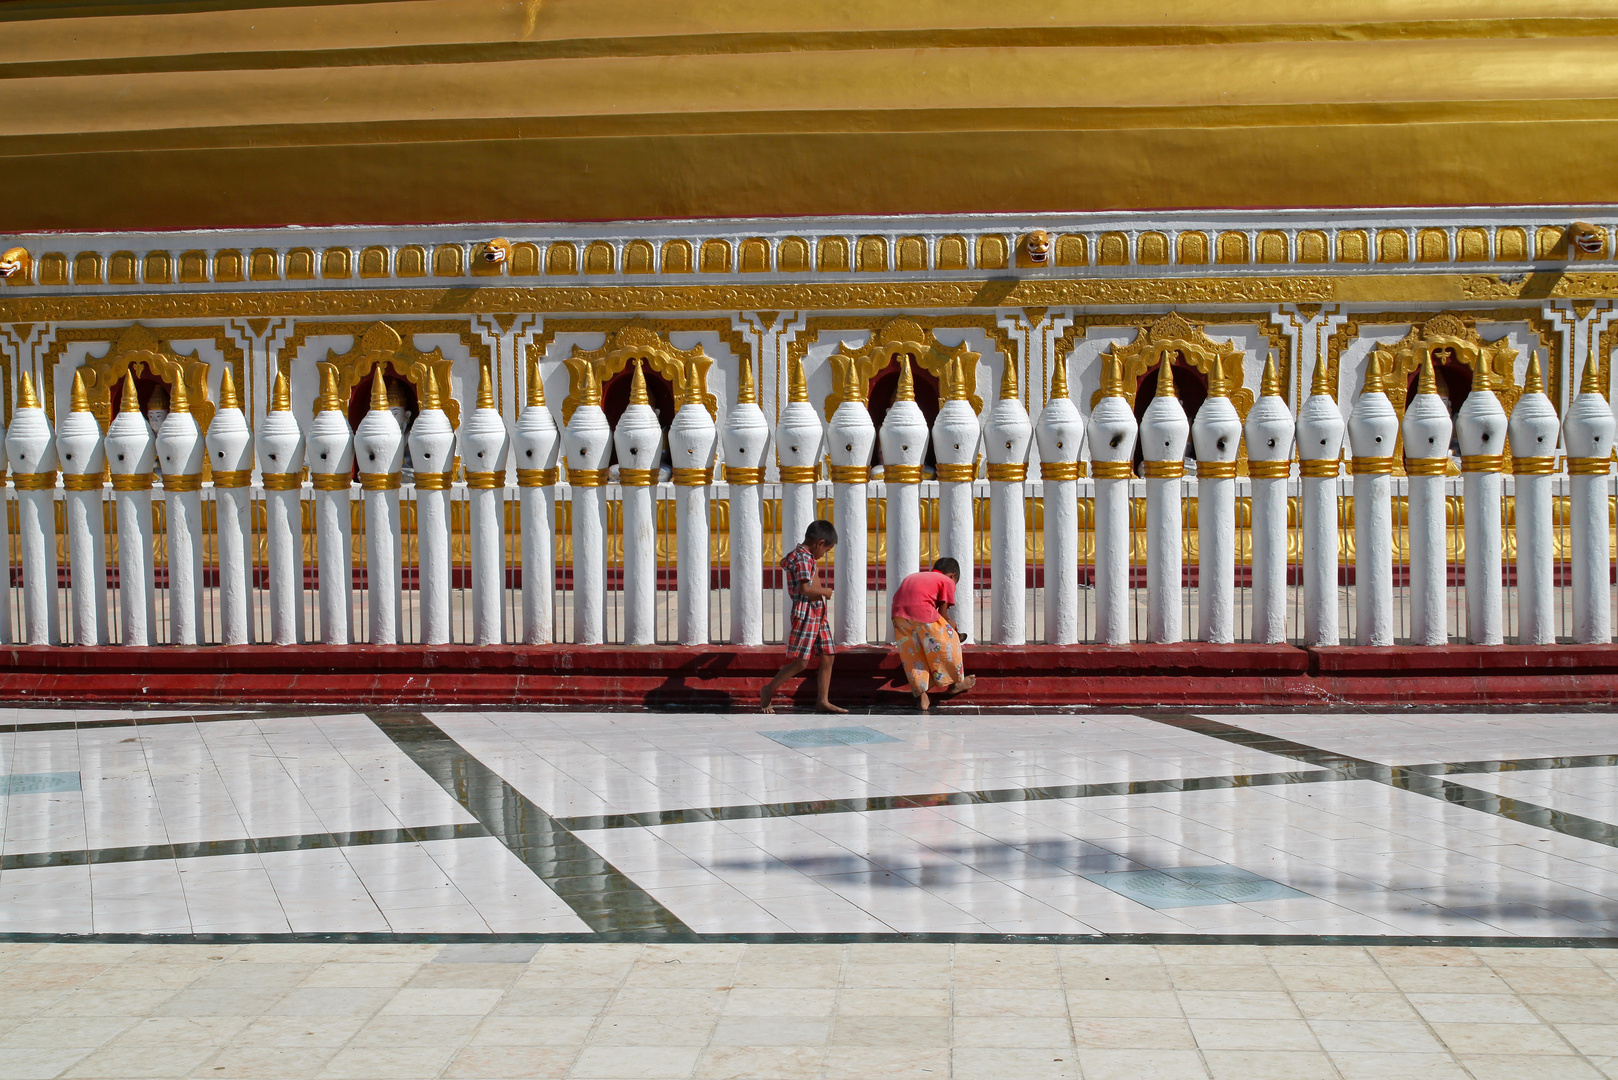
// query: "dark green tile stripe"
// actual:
[[597, 892], [251, 845]]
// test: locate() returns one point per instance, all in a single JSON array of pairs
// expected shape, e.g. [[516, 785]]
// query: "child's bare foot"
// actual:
[[826, 706], [923, 702], [963, 686], [764, 698]]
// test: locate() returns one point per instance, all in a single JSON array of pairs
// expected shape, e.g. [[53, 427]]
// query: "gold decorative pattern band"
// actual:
[[1112, 470], [485, 481], [799, 474], [232, 478], [1216, 470], [140, 481], [850, 474], [744, 474], [1483, 463], [380, 481], [1372, 466], [956, 474], [901, 474], [1319, 467], [587, 477], [1163, 470], [691, 477], [43, 481], [1532, 466], [1011, 472], [434, 481], [537, 477], [81, 481], [330, 481], [184, 482], [283, 481], [1589, 466], [637, 477], [1267, 470], [1435, 466], [1060, 470]]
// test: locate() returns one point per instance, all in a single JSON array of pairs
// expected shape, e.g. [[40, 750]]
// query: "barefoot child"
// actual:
[[810, 635], [929, 645]]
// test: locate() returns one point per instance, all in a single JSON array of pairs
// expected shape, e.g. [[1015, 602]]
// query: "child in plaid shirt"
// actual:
[[810, 635]]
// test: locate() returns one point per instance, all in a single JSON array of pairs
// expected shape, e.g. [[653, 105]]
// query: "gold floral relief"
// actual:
[[380, 343], [141, 347], [1174, 333], [639, 341], [900, 337]]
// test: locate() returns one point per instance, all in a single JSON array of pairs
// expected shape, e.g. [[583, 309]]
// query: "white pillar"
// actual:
[[331, 461], [1218, 434], [379, 449], [798, 441], [1427, 430], [1006, 435], [432, 453], [484, 444], [1372, 428], [1268, 430], [279, 445], [131, 455], [849, 440], [955, 449], [179, 458], [230, 452], [904, 447], [692, 441], [32, 451], [746, 440], [1588, 431], [1533, 428], [1112, 433], [1060, 432], [1481, 424], [79, 448], [588, 443], [1163, 433], [1320, 447], [537, 446], [639, 439]]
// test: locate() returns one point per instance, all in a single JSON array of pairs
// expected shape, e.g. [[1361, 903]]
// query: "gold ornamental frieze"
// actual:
[[896, 338], [632, 342]]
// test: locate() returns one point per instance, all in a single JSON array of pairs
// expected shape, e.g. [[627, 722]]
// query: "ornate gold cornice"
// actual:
[[147, 348], [895, 338], [1174, 334], [637, 340], [379, 343]]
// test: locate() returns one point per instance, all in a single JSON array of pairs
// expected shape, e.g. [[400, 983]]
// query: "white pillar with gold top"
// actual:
[[1372, 428], [904, 447], [131, 456], [432, 454], [230, 453], [588, 445], [1320, 450], [1163, 433], [484, 444], [1588, 432], [746, 440], [639, 440], [1217, 432], [1007, 434], [1481, 424], [1427, 429], [693, 439], [1268, 431], [955, 450], [179, 458], [331, 464], [379, 450], [279, 445], [1112, 431], [1060, 433], [1533, 428], [849, 439], [79, 449], [799, 437], [538, 444], [32, 450]]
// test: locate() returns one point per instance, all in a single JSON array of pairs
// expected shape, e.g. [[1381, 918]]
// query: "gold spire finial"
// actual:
[[590, 392], [178, 402], [1008, 381], [693, 384], [1059, 380], [1112, 375], [1217, 386], [853, 387], [1374, 383], [329, 402], [957, 381], [907, 380], [131, 400], [281, 394], [27, 399], [379, 389], [536, 385], [485, 387], [797, 387], [1321, 382], [228, 398], [1165, 376], [1532, 382], [1270, 385], [431, 399], [1590, 383], [81, 399], [637, 386], [1427, 382], [1483, 377], [745, 393]]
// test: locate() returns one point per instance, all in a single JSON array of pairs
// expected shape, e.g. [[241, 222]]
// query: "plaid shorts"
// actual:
[[811, 631]]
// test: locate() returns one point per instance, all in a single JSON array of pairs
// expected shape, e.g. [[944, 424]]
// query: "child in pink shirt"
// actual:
[[929, 645]]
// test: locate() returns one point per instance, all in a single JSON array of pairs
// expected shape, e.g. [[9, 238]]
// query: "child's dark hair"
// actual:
[[820, 532], [947, 566]]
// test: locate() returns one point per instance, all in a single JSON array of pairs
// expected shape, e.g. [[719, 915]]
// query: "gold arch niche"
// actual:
[[624, 346], [1447, 331], [1175, 333], [894, 339], [138, 346], [380, 343]]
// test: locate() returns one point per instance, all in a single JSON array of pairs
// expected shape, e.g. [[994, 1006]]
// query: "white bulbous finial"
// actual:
[[130, 447], [279, 439], [229, 442], [1481, 423], [1373, 425], [1164, 428], [798, 433], [537, 441], [29, 443], [1060, 431], [1268, 428], [1427, 426], [904, 428], [692, 434], [638, 436], [484, 441], [1112, 429], [179, 439], [1320, 422], [1533, 425], [851, 434], [746, 438], [955, 429], [1007, 431], [1589, 427], [330, 449], [379, 440], [78, 436], [431, 438], [1218, 426], [588, 437]]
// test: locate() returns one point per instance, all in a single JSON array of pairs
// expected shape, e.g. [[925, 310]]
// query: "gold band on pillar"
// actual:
[[1319, 468], [957, 474], [141, 481], [1013, 472], [1216, 470], [25, 481], [434, 481], [1372, 466], [485, 481], [1163, 470], [691, 477], [185, 482], [283, 481], [1532, 466], [1267, 470], [82, 481], [742, 474], [330, 481], [799, 474], [637, 477], [1112, 470], [1435, 466], [901, 474], [587, 477], [380, 481], [1483, 463], [850, 474], [1058, 470], [233, 478], [537, 477], [1589, 466]]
